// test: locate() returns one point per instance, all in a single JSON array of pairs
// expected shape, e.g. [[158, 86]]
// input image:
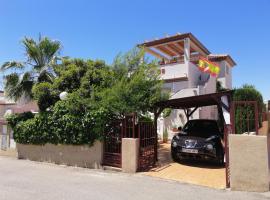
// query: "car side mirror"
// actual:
[[180, 128]]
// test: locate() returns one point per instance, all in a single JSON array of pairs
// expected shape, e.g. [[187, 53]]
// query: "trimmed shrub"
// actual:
[[14, 119]]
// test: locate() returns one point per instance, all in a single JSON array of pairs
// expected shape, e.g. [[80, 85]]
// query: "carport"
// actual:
[[190, 104]]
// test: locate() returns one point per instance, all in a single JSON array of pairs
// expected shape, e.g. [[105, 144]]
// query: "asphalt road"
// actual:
[[21, 179]]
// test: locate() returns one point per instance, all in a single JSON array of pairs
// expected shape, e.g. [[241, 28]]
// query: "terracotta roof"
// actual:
[[175, 38], [221, 57]]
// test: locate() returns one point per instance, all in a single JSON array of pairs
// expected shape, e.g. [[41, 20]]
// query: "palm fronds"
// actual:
[[41, 57]]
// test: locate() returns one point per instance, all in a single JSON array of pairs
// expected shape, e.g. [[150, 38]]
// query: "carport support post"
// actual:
[[227, 129], [156, 139], [226, 146]]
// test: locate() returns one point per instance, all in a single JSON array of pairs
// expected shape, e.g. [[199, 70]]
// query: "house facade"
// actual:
[[8, 106], [178, 58]]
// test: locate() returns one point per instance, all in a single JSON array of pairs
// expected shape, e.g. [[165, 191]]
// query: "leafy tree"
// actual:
[[41, 56], [97, 95], [45, 95], [136, 88]]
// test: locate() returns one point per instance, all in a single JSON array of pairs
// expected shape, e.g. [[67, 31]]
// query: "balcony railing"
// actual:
[[180, 60]]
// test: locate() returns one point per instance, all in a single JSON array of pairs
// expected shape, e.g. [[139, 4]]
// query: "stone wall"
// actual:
[[249, 163], [130, 154], [72, 155]]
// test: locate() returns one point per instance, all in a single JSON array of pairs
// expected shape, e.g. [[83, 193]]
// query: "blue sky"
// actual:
[[102, 29]]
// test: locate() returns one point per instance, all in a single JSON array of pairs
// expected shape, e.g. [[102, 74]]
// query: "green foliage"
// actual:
[[145, 118], [137, 88], [34, 131], [97, 95], [44, 95], [38, 67], [62, 126], [14, 119], [167, 112], [242, 114]]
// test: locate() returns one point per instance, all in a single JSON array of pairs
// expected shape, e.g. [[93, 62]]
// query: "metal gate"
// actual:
[[118, 129], [148, 138], [112, 144], [129, 127]]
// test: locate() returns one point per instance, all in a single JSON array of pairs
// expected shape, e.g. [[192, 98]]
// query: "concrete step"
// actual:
[[110, 168]]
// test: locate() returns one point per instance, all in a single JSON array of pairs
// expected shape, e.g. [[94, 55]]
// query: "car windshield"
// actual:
[[201, 128]]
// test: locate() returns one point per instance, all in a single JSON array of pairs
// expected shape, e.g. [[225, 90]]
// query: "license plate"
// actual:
[[189, 150]]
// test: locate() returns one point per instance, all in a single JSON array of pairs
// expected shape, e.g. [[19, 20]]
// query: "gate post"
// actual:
[[130, 154]]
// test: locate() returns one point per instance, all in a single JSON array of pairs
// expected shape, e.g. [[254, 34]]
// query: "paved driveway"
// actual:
[[199, 173], [21, 179]]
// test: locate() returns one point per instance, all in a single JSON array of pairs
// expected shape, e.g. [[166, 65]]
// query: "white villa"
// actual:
[[179, 55]]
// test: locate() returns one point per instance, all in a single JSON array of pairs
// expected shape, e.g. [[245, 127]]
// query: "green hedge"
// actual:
[[60, 126]]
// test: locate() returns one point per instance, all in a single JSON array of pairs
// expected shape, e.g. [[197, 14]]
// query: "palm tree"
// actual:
[[41, 56]]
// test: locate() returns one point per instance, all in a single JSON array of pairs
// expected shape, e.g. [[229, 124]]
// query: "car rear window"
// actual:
[[201, 128]]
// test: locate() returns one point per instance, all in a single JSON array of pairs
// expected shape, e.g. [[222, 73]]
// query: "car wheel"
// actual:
[[220, 159], [174, 156]]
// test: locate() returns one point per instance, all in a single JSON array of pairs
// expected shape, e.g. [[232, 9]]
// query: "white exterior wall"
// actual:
[[175, 87], [177, 117], [208, 87], [174, 70], [225, 78], [209, 112], [193, 75], [198, 83]]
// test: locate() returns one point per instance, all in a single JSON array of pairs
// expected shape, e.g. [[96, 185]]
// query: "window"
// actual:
[[162, 71], [201, 128]]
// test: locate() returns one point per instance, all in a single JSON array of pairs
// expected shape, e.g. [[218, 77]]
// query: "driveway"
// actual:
[[21, 179], [199, 173]]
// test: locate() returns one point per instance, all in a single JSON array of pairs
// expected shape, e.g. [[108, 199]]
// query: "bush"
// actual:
[[44, 95], [14, 119], [247, 93], [62, 125], [97, 95], [34, 131], [167, 112]]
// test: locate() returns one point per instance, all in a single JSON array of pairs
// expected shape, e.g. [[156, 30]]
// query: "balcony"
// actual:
[[180, 60], [174, 71]]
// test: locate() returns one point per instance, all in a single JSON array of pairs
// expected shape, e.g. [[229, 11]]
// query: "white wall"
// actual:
[[175, 87], [175, 70], [187, 92], [177, 117], [193, 75], [208, 112], [225, 77], [198, 83], [208, 87]]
